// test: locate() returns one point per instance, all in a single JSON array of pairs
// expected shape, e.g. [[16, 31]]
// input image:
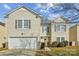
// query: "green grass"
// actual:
[[60, 51]]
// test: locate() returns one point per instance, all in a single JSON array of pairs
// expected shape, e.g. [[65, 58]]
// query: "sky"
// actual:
[[48, 10]]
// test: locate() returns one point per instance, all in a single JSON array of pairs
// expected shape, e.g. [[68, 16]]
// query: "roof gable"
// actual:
[[60, 20], [30, 10]]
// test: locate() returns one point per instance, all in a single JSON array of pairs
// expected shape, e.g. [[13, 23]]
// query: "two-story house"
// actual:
[[59, 29], [23, 28]]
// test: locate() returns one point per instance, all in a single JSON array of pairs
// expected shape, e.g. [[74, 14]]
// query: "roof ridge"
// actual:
[[22, 6], [60, 17]]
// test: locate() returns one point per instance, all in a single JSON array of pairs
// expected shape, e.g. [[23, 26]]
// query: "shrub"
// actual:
[[66, 43], [63, 44], [55, 44], [59, 44], [42, 46]]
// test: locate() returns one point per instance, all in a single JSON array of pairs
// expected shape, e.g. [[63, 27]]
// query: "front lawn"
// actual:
[[60, 51]]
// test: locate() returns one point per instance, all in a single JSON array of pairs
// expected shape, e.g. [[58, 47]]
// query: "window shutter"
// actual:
[[16, 24], [29, 24], [55, 27], [42, 29], [65, 28]]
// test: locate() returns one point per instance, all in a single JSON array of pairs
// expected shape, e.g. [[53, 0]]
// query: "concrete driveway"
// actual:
[[18, 53]]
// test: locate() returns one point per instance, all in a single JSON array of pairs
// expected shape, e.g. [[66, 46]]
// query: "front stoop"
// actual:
[[47, 49]]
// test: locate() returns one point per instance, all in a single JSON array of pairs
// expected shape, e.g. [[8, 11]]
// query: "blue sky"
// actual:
[[48, 11]]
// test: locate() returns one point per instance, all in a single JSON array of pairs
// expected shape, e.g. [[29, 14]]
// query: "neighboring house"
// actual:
[[60, 29], [74, 35], [2, 35], [23, 29]]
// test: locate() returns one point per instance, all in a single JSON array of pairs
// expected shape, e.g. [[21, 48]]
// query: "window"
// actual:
[[58, 39], [62, 39], [44, 29], [63, 27], [57, 27], [19, 23], [60, 27], [26, 23], [22, 23]]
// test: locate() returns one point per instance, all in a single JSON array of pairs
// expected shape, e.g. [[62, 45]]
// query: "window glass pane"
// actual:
[[58, 39], [57, 27], [62, 39], [19, 23], [44, 29], [26, 23], [63, 27]]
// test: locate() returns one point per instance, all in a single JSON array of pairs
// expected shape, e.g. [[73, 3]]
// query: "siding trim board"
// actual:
[[25, 37]]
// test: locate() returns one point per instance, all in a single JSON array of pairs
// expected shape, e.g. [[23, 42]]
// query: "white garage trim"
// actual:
[[22, 42]]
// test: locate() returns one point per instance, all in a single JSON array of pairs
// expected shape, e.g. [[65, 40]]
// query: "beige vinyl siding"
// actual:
[[2, 35], [23, 14], [63, 32], [73, 33]]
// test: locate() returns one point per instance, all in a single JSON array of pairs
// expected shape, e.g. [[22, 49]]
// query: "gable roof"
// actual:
[[31, 10], [65, 19]]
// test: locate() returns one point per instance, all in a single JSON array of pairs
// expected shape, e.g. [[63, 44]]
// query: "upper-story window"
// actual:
[[60, 27], [22, 24], [44, 29], [19, 23]]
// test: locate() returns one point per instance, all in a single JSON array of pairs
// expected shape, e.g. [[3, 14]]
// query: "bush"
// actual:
[[55, 44], [42, 46], [59, 44], [63, 44]]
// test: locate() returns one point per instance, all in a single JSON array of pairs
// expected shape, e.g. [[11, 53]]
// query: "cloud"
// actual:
[[50, 5], [53, 16], [44, 7], [7, 6], [38, 5], [44, 11]]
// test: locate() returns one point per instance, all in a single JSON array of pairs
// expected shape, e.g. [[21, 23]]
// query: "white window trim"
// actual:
[[60, 38], [22, 24], [60, 28]]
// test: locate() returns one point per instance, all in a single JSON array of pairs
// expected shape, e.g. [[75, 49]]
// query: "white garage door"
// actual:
[[22, 43]]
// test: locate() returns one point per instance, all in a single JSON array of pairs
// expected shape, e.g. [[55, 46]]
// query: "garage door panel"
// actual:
[[22, 43]]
